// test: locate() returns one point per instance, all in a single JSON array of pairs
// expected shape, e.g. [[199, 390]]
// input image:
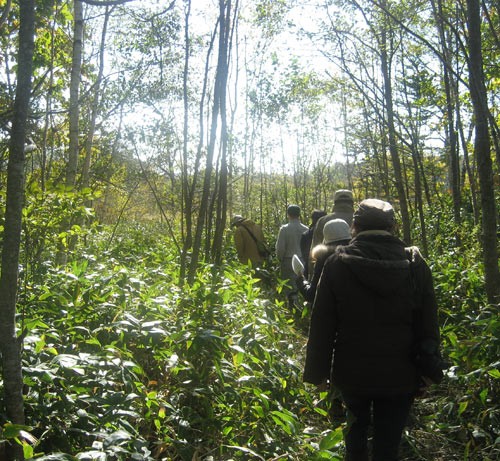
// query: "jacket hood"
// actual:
[[379, 261]]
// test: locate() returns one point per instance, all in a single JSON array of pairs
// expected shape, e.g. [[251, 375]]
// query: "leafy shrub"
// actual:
[[122, 363], [465, 408]]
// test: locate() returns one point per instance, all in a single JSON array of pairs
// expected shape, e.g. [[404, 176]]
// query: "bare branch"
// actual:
[[5, 12], [105, 2], [116, 2]]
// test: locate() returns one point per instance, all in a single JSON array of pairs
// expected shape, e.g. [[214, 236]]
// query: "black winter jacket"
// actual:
[[371, 307]]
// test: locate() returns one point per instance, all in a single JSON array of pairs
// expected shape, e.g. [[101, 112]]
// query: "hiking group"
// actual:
[[373, 336]]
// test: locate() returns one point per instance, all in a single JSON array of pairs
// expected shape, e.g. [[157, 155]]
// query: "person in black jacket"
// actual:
[[306, 241], [374, 306]]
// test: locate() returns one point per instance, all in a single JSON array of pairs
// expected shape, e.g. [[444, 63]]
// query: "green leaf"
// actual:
[[483, 395], [325, 454], [494, 373], [332, 439], [462, 407], [11, 431], [247, 450], [28, 451], [285, 420], [116, 438]]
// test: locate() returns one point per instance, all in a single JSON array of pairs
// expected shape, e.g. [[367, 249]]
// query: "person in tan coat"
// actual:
[[248, 236], [343, 208]]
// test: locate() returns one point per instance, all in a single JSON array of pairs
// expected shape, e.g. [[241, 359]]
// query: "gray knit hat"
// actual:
[[336, 230], [374, 214]]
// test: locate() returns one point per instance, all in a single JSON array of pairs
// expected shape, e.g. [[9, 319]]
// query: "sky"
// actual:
[[288, 45]]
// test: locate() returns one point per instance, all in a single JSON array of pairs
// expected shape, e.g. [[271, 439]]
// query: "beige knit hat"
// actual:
[[336, 230]]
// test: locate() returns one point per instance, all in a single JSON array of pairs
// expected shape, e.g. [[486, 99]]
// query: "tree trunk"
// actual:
[[89, 141], [74, 117], [224, 46], [451, 100], [10, 343], [48, 110], [393, 149], [482, 149], [74, 91], [187, 202], [219, 87]]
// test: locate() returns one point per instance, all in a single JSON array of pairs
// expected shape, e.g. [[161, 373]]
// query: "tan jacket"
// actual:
[[245, 244], [341, 210]]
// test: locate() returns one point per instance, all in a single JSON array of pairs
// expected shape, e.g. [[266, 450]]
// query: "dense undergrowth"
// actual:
[[122, 363]]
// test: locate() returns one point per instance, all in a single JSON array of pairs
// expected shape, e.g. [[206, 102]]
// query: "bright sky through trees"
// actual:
[[261, 61]]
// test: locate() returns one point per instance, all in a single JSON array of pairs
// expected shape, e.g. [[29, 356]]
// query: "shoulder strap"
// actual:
[[263, 247], [250, 232]]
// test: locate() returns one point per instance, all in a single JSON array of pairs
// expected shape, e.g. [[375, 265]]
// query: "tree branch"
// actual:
[[5, 12], [116, 2], [105, 2]]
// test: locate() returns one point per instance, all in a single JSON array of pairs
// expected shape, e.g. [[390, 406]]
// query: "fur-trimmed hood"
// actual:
[[383, 267], [322, 251]]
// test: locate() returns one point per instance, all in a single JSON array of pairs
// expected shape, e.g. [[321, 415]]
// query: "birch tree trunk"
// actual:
[[74, 116], [10, 343], [187, 201], [74, 91]]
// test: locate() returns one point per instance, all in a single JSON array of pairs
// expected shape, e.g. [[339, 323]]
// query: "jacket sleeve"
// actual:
[[259, 234], [426, 325], [322, 331], [426, 353]]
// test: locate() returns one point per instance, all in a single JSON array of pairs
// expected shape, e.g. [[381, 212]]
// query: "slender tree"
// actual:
[[222, 189], [10, 341], [482, 149], [391, 128], [74, 92], [451, 101], [220, 89], [89, 141]]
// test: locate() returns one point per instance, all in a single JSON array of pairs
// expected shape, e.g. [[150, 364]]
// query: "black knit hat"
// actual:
[[374, 214]]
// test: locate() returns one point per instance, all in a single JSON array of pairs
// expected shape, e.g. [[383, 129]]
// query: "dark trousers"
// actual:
[[389, 418]]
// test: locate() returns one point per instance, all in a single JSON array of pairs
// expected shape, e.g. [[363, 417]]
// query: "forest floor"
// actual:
[[422, 444]]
